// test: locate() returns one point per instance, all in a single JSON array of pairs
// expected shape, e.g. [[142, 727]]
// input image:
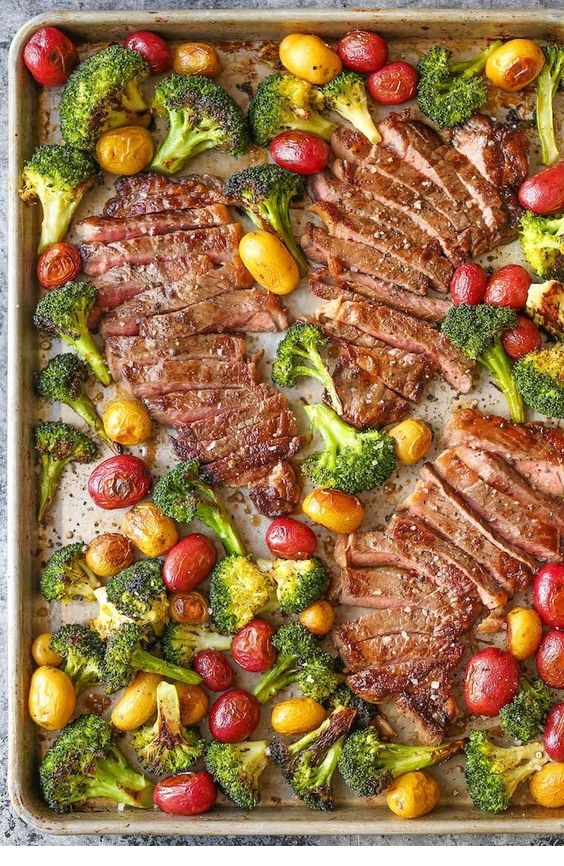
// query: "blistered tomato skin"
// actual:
[[119, 482], [508, 287], [252, 647], [363, 51], [468, 284], [57, 265], [394, 83], [523, 338], [492, 680], [554, 733], [196, 58], [214, 670], [234, 716], [290, 539], [189, 563], [302, 152], [186, 793], [543, 193], [550, 659], [548, 595], [152, 48], [338, 511], [50, 56]]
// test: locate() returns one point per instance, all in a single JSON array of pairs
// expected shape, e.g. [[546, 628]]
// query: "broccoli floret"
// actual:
[[109, 619], [300, 660], [181, 641], [64, 313], [298, 355], [352, 460], [369, 765], [167, 747], [298, 582], [549, 82], [476, 330], [83, 655], [124, 655], [523, 717], [239, 591], [310, 763], [182, 495], [237, 768], [539, 377], [545, 304], [62, 381], [343, 697], [66, 576], [201, 116], [450, 93], [346, 94], [283, 101], [57, 445], [264, 192], [542, 242], [493, 772], [84, 763], [103, 93], [58, 177], [137, 594]]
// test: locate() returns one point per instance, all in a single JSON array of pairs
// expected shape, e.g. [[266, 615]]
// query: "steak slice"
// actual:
[[219, 243], [416, 621], [431, 707], [156, 190], [255, 405], [536, 450], [180, 408], [260, 427], [190, 375], [382, 682], [247, 466], [366, 401], [405, 332], [400, 647], [96, 229], [277, 492], [138, 350], [390, 587]]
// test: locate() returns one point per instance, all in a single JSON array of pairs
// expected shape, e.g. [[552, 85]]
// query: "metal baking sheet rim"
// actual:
[[224, 821]]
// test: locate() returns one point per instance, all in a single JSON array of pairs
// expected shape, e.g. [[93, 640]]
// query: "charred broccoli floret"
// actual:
[[103, 93], [64, 313], [283, 101], [58, 177], [181, 641], [84, 763], [523, 717], [368, 765], [346, 94], [124, 655], [477, 330], [237, 768], [542, 242], [352, 460], [450, 93], [549, 82], [299, 582], [137, 594], [264, 192], [167, 747], [493, 772], [57, 445], [299, 355], [201, 115], [545, 305], [182, 495], [66, 576], [539, 377], [83, 655], [239, 591], [343, 697], [62, 381]]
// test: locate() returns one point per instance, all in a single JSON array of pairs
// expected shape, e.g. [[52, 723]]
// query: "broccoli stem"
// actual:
[[497, 362], [277, 678], [113, 780], [546, 91], [280, 221], [319, 126], [58, 210], [469, 68], [213, 517], [144, 661], [319, 372], [50, 477], [86, 410], [336, 433], [181, 144], [87, 349], [327, 767]]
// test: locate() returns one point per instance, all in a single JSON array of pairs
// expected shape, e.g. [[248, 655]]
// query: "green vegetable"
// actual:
[[549, 82], [493, 772], [523, 717], [299, 355], [283, 101], [57, 445], [298, 582], [239, 591], [83, 655], [542, 242], [545, 305], [346, 94], [181, 641], [137, 594], [66, 576], [539, 377], [237, 768]]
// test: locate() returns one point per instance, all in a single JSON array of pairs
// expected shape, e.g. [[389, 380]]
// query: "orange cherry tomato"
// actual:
[[59, 264], [338, 511]]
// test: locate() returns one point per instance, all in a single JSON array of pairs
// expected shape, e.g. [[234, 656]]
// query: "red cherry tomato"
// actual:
[[543, 193], [234, 716], [394, 83], [550, 659], [508, 287], [523, 338], [290, 539], [492, 680], [50, 56], [120, 482], [59, 264], [189, 563], [554, 733], [363, 51], [468, 284], [252, 647], [548, 595], [186, 793], [152, 48], [214, 670], [302, 152]]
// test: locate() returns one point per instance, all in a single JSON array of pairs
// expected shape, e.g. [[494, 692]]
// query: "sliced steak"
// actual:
[[138, 350], [389, 587], [191, 375], [258, 428], [431, 707], [382, 682], [428, 308], [179, 408], [277, 492], [366, 401], [247, 466], [156, 191], [105, 230], [399, 647], [417, 620]]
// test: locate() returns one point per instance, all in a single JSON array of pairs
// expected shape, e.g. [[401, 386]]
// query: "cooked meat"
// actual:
[[431, 707], [247, 465], [138, 350], [219, 243], [382, 682], [398, 647], [414, 621], [255, 431], [190, 375], [536, 450], [105, 230], [366, 400], [256, 405], [179, 408], [389, 587], [405, 332], [150, 192], [278, 492]]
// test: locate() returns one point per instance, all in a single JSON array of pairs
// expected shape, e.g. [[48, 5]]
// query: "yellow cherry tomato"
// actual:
[[126, 150], [138, 702], [297, 716], [524, 632], [109, 553], [269, 262], [412, 440], [515, 64], [151, 531], [413, 794], [338, 511], [547, 786], [318, 618], [193, 702], [42, 652], [192, 607], [52, 698], [127, 422], [308, 57], [196, 58]]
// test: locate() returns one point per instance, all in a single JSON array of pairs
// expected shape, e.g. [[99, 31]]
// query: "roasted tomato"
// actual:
[[508, 287], [234, 716], [120, 482], [515, 64], [50, 56], [554, 733], [523, 338], [186, 793], [214, 669], [108, 554], [543, 193], [394, 83], [189, 563], [550, 659], [302, 152], [468, 284], [492, 680], [59, 264], [190, 607], [548, 595], [152, 48], [363, 51], [338, 511], [290, 539], [252, 647]]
